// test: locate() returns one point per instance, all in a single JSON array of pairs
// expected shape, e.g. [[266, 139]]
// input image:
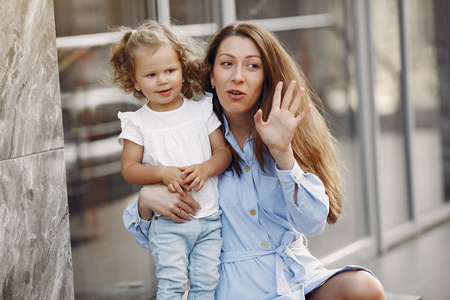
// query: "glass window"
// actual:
[[195, 11], [441, 36], [425, 89], [97, 193], [387, 93], [79, 17], [257, 9]]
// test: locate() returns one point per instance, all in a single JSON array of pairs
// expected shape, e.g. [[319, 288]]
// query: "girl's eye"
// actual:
[[151, 75], [170, 71]]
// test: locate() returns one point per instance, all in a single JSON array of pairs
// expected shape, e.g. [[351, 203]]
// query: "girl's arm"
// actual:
[[134, 172], [219, 161]]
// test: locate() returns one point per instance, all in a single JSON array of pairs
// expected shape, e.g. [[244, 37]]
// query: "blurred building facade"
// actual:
[[381, 68]]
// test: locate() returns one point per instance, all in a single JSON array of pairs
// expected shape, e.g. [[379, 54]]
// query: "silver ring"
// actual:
[[181, 210]]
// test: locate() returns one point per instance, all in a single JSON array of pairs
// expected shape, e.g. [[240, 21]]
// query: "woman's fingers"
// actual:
[[190, 205], [277, 95], [258, 118], [185, 208], [303, 114], [182, 216], [288, 95], [287, 103], [297, 100]]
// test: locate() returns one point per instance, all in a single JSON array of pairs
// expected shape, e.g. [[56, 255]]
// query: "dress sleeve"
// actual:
[[307, 202], [135, 225], [131, 128], [207, 113]]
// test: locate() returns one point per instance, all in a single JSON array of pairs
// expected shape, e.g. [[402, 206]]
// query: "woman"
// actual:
[[282, 184]]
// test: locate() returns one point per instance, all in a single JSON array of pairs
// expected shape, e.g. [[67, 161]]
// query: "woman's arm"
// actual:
[[306, 200], [219, 161], [134, 172], [304, 193]]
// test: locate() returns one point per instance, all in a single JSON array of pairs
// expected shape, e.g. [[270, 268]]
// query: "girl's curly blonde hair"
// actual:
[[154, 34]]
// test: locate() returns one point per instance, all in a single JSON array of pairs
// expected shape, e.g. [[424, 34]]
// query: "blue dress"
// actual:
[[265, 217]]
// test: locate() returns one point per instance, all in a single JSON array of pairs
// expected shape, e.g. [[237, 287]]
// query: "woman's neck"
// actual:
[[241, 127]]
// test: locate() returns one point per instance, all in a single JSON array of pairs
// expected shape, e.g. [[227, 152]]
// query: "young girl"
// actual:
[[175, 141]]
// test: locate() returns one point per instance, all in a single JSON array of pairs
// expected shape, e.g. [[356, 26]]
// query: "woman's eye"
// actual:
[[253, 66], [226, 63]]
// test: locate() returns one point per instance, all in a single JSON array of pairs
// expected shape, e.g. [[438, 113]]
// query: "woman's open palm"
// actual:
[[278, 130]]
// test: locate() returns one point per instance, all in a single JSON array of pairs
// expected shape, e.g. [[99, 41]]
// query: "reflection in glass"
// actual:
[[97, 194], [425, 97], [194, 11], [106, 259], [387, 88], [75, 17], [264, 9]]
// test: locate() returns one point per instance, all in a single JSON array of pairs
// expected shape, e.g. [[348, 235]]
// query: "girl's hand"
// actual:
[[196, 176], [277, 132], [173, 178]]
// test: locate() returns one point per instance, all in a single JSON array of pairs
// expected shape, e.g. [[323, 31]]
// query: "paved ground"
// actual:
[[418, 267]]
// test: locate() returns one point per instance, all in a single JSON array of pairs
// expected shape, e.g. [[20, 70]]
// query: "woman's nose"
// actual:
[[237, 75]]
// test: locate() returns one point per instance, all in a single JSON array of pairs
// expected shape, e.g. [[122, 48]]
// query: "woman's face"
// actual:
[[238, 76]]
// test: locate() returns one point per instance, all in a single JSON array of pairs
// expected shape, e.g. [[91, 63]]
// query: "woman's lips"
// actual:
[[236, 94]]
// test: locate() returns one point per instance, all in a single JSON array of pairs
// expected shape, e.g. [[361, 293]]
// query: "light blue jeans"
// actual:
[[193, 246]]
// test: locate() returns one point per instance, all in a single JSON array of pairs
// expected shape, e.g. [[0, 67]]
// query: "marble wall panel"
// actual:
[[35, 255], [30, 106]]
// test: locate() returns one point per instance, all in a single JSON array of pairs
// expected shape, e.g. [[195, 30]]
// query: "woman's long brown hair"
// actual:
[[312, 144]]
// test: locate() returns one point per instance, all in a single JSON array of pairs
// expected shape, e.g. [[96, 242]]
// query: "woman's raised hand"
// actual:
[[277, 132]]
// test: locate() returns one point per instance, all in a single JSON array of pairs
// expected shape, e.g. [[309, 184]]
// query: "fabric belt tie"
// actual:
[[285, 260]]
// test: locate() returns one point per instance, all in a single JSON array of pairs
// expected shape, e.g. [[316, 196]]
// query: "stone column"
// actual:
[[35, 255]]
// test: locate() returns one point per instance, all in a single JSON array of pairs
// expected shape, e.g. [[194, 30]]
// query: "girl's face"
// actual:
[[159, 75], [238, 76]]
